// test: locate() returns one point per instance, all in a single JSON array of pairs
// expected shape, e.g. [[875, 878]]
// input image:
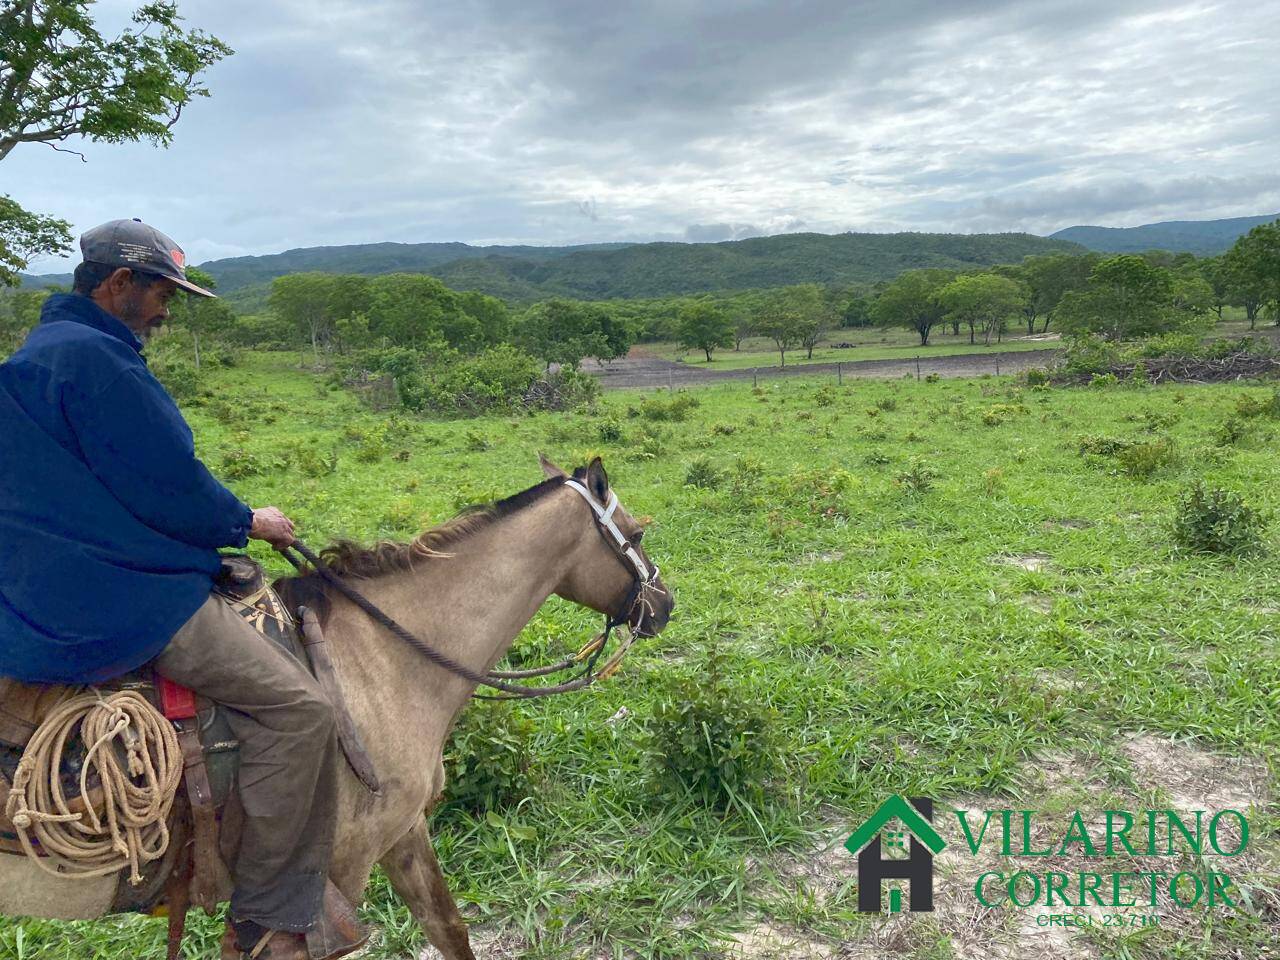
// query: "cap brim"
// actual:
[[192, 287]]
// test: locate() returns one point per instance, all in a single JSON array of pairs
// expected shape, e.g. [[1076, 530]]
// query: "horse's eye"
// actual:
[[637, 537]]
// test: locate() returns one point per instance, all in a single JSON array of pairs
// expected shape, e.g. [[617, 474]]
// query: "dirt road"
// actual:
[[638, 370]]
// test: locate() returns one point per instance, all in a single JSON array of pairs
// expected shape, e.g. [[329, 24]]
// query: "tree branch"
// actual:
[[77, 153]]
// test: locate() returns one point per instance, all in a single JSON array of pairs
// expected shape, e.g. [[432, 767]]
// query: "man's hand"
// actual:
[[271, 525]]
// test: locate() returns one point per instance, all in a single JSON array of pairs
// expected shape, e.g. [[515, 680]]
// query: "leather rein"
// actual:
[[644, 576]]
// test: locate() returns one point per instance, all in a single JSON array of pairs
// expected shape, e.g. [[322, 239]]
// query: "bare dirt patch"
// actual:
[[1194, 778], [1027, 561], [765, 941]]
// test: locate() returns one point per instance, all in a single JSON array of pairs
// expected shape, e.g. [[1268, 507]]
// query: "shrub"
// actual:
[[476, 442], [702, 473], [311, 461], [1231, 432], [723, 429], [1142, 460], [1247, 406], [1000, 413], [932, 378], [1104, 380], [562, 390], [239, 462], [1037, 377], [487, 762], [609, 431], [917, 478], [821, 492], [709, 736], [887, 404], [744, 477], [1098, 445], [1217, 521], [824, 397], [675, 408]]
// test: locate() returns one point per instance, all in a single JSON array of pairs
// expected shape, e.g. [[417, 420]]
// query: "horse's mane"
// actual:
[[348, 558]]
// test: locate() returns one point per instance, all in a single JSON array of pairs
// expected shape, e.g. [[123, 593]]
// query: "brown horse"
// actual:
[[467, 587]]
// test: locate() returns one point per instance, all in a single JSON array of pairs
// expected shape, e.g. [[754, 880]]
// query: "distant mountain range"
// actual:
[[607, 271], [1204, 238], [522, 274]]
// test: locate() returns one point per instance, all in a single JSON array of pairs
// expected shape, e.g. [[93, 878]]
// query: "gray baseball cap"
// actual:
[[133, 244]]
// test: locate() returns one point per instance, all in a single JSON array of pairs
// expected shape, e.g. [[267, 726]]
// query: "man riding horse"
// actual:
[[109, 535]]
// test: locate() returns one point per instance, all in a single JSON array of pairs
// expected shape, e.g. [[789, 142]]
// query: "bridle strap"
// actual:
[[644, 575]]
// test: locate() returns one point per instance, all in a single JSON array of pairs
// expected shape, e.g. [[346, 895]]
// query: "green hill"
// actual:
[[650, 269], [623, 271], [1204, 238]]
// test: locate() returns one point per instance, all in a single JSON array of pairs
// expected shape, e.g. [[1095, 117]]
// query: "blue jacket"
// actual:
[[109, 525]]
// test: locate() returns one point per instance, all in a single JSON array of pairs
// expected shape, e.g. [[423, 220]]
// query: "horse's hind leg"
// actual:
[[414, 872]]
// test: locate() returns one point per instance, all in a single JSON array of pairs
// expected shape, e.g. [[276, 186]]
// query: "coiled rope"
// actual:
[[129, 826]]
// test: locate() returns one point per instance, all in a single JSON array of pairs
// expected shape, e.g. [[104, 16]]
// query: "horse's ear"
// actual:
[[550, 469], [597, 479]]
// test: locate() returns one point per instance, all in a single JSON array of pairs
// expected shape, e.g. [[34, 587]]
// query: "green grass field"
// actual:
[[932, 605]]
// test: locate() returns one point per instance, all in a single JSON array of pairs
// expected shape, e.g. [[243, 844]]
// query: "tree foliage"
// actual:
[[704, 326], [568, 331], [1253, 268], [1127, 297], [60, 78], [202, 317], [911, 300], [983, 301]]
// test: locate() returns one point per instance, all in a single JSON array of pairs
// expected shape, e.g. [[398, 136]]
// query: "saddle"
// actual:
[[206, 817]]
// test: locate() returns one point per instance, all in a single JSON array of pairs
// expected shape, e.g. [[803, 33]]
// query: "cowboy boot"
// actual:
[[336, 933], [274, 945]]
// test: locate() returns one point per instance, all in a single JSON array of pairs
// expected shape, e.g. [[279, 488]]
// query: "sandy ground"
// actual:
[[639, 370]]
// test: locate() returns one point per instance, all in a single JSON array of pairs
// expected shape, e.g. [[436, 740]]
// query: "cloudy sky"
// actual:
[[546, 122]]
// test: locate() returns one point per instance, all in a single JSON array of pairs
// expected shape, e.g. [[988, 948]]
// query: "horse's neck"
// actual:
[[469, 606]]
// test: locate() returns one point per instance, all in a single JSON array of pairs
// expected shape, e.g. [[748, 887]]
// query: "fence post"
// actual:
[[753, 377], [839, 374], [917, 367], [997, 366], [670, 386]]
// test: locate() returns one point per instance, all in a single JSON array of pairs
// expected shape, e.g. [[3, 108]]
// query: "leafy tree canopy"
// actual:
[[60, 78], [705, 326]]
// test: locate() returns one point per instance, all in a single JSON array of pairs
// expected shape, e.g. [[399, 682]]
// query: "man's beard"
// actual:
[[133, 317]]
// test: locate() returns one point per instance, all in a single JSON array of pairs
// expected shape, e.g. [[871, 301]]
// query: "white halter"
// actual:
[[604, 517]]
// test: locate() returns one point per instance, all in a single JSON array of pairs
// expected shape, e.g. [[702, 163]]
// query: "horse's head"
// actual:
[[615, 576]]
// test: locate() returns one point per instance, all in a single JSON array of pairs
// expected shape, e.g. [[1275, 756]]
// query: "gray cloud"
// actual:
[[568, 121]]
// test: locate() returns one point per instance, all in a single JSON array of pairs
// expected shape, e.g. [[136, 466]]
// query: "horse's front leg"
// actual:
[[414, 872]]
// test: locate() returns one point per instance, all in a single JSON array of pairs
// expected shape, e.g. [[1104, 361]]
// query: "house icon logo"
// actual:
[[916, 868]]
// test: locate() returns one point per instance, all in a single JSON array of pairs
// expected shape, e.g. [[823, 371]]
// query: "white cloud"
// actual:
[[575, 122]]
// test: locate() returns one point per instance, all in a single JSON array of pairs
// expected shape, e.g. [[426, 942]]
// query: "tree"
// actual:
[[19, 312], [305, 302], [911, 301], [983, 301], [782, 320], [1126, 298], [743, 327], [60, 78], [567, 331], [857, 313], [819, 309], [1255, 260], [1217, 274], [1243, 288], [201, 316], [704, 326]]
